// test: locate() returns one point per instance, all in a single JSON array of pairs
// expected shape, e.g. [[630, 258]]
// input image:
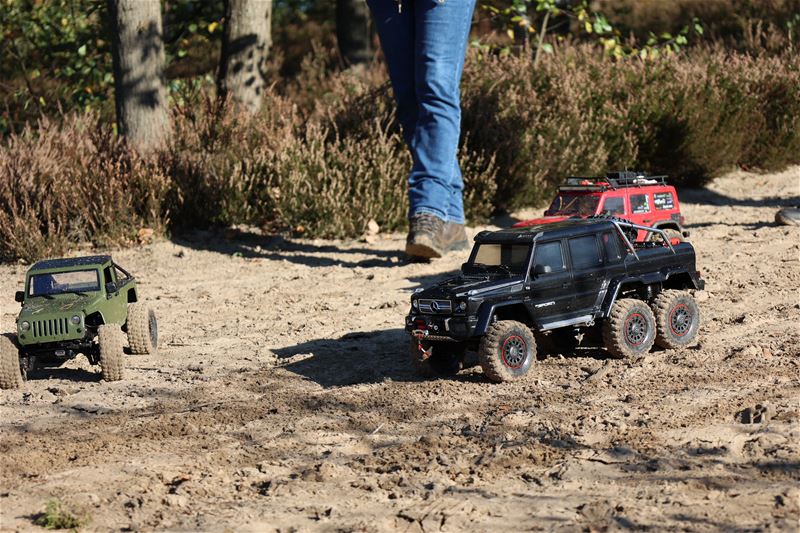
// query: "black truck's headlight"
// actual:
[[461, 307], [414, 304], [24, 325]]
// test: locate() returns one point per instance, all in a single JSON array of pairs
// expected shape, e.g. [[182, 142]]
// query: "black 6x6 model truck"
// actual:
[[556, 283]]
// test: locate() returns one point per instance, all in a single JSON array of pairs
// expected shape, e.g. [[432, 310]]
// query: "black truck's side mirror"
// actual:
[[538, 270], [19, 296]]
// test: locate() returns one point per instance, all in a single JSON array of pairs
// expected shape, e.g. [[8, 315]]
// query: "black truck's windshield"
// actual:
[[506, 257]]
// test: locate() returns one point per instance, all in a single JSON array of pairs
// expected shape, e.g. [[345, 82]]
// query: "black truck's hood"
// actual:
[[463, 286]]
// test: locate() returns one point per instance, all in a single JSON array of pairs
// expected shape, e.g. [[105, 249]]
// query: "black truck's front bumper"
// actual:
[[453, 327]]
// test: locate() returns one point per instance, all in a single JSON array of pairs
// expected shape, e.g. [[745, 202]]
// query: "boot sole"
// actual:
[[422, 251]]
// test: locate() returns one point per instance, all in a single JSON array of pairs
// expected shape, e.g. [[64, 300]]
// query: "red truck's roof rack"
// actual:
[[612, 180]]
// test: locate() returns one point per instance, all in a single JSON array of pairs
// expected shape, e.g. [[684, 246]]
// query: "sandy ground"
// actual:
[[282, 399]]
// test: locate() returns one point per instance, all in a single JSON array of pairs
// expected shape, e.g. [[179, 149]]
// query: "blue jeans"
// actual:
[[424, 43]]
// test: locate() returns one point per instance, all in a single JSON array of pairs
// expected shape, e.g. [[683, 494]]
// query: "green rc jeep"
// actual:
[[77, 306]]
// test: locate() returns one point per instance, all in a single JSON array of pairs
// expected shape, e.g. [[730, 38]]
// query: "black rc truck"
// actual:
[[556, 284]]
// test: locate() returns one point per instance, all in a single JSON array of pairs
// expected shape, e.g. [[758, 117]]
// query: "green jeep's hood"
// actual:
[[59, 305]]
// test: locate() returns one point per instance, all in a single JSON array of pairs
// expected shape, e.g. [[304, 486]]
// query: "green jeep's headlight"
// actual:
[[75, 319], [24, 325]]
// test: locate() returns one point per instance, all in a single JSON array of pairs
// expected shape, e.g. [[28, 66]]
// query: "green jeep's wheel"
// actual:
[[142, 329], [10, 373], [507, 351], [630, 329], [677, 319], [112, 360], [434, 359]]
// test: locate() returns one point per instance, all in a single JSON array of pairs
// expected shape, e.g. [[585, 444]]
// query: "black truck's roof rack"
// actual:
[[612, 180]]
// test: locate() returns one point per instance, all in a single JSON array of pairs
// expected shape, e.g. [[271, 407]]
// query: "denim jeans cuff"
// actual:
[[436, 213]]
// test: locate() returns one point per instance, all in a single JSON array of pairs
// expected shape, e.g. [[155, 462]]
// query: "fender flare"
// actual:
[[487, 311]]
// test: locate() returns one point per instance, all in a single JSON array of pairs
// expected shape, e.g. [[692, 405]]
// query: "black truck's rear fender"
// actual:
[[672, 280], [510, 310]]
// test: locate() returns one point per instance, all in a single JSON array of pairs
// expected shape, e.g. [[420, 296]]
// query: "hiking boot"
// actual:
[[430, 236], [788, 216]]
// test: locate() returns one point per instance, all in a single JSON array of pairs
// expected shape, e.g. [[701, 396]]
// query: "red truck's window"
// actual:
[[663, 201], [639, 204], [573, 204], [614, 205]]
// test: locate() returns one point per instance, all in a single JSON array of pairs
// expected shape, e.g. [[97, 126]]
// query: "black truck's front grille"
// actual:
[[435, 306], [50, 328]]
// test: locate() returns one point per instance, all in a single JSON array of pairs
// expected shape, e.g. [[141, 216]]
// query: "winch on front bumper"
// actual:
[[440, 327]]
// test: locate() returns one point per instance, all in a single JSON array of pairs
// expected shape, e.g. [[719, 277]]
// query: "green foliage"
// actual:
[[55, 516], [54, 56]]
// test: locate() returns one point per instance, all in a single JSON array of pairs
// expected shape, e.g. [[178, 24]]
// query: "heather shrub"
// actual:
[[73, 183], [323, 161]]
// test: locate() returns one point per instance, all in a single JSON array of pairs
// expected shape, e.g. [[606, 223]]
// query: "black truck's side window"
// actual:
[[612, 247], [549, 254], [584, 252]]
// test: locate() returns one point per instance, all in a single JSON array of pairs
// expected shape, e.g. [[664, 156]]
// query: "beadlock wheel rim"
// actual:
[[636, 329], [680, 320], [514, 352]]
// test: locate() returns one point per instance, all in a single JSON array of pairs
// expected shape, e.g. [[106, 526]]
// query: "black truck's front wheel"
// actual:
[[630, 329], [507, 351], [433, 359], [10, 373], [677, 319]]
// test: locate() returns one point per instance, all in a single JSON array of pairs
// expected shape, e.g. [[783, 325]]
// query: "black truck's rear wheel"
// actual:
[[677, 319], [507, 351], [112, 360], [439, 358], [630, 329], [10, 372]]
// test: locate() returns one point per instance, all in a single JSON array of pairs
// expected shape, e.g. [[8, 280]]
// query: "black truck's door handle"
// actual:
[[565, 285]]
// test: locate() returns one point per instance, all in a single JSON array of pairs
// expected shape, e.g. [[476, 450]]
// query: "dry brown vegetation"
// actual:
[[329, 158]]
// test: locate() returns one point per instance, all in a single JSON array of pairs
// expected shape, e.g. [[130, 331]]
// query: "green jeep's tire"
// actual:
[[507, 351], [436, 359], [630, 329], [10, 373], [677, 319], [142, 329], [112, 361]]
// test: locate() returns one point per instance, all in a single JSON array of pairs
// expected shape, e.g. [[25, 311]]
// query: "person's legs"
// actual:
[[441, 33], [396, 31]]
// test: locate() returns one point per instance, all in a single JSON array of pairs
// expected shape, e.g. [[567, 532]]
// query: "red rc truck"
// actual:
[[633, 196]]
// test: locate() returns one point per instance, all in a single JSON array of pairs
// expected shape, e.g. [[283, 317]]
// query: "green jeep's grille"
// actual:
[[54, 327]]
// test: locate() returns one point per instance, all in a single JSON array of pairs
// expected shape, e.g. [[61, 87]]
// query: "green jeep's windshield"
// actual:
[[63, 282], [583, 205], [509, 257]]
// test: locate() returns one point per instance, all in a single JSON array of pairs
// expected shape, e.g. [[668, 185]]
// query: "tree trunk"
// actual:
[[139, 89], [352, 31], [245, 48]]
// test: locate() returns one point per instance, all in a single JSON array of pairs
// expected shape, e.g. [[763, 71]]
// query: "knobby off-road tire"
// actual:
[[507, 351], [142, 329], [630, 330], [677, 319], [10, 373], [436, 359], [112, 361]]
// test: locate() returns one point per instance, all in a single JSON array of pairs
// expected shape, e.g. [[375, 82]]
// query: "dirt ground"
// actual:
[[282, 399]]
